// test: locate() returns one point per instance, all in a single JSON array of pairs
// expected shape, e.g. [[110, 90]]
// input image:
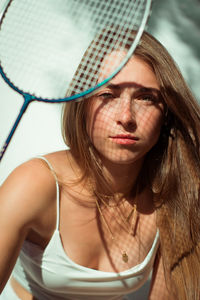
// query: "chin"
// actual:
[[122, 159]]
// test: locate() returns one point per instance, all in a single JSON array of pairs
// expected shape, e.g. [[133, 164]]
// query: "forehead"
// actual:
[[137, 72]]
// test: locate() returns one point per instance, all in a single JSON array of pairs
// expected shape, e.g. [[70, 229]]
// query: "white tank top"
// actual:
[[50, 274]]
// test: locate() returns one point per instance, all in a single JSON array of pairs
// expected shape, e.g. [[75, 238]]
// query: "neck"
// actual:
[[121, 177]]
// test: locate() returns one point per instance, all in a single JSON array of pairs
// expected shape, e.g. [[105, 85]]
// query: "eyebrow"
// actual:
[[114, 86], [138, 88], [148, 90]]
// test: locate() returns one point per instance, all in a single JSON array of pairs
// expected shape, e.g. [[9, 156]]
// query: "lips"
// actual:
[[124, 139]]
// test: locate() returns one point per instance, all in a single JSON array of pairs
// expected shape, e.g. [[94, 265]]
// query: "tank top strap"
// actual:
[[57, 190]]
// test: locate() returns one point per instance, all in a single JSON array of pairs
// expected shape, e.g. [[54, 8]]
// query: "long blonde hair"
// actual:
[[171, 168], [176, 178]]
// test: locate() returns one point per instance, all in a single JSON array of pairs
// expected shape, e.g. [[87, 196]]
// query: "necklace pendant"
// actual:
[[125, 257]]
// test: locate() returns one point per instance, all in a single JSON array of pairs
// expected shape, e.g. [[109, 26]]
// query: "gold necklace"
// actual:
[[123, 253], [118, 198], [126, 220], [130, 219]]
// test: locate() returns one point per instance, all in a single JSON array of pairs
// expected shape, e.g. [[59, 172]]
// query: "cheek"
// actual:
[[149, 124], [97, 122]]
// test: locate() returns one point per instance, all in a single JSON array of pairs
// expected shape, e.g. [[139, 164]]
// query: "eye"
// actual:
[[106, 95], [147, 98]]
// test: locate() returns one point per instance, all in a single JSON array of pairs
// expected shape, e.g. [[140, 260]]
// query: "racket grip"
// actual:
[[3, 150], [27, 100]]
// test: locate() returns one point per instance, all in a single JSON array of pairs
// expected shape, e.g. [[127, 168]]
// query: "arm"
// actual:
[[25, 199], [158, 288]]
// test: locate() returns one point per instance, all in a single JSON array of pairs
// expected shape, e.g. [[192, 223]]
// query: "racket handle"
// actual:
[[27, 100]]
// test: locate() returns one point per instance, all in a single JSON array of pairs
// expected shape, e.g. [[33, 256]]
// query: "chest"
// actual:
[[91, 242]]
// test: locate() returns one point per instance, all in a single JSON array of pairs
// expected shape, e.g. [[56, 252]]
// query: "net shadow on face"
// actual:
[[124, 119]]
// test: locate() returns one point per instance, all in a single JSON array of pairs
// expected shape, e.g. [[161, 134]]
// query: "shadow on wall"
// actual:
[[176, 23]]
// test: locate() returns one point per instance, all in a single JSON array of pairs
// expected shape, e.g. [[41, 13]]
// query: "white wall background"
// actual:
[[176, 23]]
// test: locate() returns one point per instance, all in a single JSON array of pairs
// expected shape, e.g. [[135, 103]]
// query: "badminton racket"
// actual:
[[45, 44]]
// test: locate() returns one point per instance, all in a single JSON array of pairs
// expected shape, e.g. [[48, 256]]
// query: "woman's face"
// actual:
[[124, 118]]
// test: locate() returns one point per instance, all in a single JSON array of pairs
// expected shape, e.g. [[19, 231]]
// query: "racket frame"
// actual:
[[28, 98]]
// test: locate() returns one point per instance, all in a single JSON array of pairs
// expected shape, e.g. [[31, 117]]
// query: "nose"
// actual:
[[126, 114]]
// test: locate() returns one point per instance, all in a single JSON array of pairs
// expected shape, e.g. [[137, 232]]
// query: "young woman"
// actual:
[[94, 221]]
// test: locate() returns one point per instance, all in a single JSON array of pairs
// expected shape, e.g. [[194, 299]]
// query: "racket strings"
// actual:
[[44, 39], [119, 39]]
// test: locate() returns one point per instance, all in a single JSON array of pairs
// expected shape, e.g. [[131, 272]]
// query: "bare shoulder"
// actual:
[[32, 185], [63, 164], [27, 191]]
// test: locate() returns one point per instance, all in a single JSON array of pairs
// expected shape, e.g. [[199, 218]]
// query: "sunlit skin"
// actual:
[[123, 122], [127, 115]]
